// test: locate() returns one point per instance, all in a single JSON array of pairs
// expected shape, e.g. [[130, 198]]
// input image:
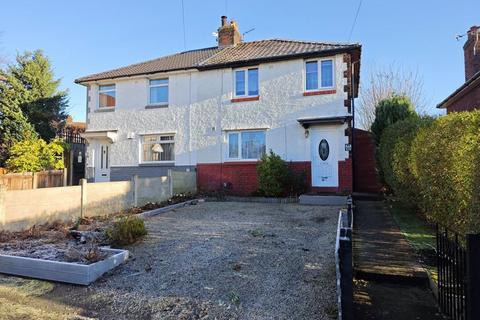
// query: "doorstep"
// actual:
[[319, 200]]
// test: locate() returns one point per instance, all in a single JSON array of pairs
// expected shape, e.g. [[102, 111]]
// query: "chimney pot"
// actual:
[[224, 20]]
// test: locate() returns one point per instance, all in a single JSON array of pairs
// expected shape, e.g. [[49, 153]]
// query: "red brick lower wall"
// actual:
[[241, 178]]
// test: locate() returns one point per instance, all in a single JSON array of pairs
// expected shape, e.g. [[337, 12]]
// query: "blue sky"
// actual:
[[84, 37]]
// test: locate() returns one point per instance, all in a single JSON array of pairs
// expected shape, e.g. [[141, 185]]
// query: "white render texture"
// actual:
[[200, 113]]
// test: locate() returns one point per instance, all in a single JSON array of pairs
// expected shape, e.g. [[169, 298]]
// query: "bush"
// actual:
[[296, 182], [445, 163], [272, 175], [35, 154], [127, 230], [277, 179], [394, 157], [389, 111]]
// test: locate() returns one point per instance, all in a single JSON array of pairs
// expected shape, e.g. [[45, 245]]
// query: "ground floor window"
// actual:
[[247, 145], [157, 148]]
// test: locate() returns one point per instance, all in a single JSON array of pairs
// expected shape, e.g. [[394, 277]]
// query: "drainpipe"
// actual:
[[353, 123]]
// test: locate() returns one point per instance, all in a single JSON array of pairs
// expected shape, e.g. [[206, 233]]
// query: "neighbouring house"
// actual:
[[217, 110], [467, 97], [74, 155]]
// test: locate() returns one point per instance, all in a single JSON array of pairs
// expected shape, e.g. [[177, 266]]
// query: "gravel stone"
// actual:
[[221, 260]]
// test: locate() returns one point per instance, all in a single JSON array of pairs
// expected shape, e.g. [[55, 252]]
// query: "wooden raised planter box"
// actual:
[[69, 272]]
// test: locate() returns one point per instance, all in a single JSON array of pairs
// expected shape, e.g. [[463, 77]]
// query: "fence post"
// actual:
[[473, 276], [346, 267], [135, 190], [83, 197], [65, 176], [34, 180], [3, 213], [170, 182]]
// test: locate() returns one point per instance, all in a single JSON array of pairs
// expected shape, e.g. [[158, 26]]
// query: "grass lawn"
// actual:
[[419, 234]]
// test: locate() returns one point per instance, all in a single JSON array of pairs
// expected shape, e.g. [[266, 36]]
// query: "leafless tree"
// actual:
[[382, 83]]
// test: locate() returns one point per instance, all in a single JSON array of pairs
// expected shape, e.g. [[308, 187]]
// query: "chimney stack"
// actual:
[[471, 50], [228, 34]]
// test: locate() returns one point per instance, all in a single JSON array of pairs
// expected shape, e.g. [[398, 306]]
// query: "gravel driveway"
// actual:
[[220, 260]]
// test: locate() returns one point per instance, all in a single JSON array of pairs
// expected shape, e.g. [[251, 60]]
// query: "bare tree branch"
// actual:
[[383, 83]]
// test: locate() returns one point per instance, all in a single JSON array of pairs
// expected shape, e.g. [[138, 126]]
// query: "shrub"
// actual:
[[272, 175], [296, 182], [445, 163], [394, 157], [127, 230], [389, 111], [35, 154]]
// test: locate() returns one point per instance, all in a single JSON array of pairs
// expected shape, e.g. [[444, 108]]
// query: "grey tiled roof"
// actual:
[[215, 57]]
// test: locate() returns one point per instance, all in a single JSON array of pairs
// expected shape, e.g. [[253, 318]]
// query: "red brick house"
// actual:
[[467, 97]]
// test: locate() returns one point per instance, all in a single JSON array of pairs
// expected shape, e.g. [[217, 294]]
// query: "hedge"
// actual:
[[435, 164], [394, 155], [446, 166]]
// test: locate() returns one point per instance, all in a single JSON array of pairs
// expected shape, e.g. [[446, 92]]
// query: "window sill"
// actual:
[[157, 164], [156, 106], [319, 92], [105, 109], [256, 98]]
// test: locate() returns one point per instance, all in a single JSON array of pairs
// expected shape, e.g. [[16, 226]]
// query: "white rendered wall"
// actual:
[[200, 112]]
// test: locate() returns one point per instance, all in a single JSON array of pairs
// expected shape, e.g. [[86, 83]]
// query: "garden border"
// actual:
[[68, 272], [158, 211]]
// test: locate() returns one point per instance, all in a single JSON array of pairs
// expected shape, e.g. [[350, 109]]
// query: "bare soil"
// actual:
[[221, 260]]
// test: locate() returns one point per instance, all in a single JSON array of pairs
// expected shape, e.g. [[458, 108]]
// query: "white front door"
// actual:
[[324, 158], [102, 165]]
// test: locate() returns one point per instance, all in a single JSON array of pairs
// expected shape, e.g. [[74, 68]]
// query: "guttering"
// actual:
[[465, 88]]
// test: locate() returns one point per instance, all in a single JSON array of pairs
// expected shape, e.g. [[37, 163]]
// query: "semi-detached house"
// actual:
[[217, 110]]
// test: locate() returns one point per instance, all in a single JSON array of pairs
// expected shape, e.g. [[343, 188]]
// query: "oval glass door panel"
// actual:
[[323, 149]]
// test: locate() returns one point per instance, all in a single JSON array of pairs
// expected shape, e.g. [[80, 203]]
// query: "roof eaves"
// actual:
[[245, 62], [85, 80], [474, 79]]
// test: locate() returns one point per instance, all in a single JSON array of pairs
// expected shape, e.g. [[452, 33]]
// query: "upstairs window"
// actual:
[[158, 148], [159, 91], [319, 75], [106, 96], [246, 82], [246, 145]]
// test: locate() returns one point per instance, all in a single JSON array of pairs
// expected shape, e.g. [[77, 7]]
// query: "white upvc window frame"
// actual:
[[246, 94], [142, 143], [150, 86], [239, 148], [100, 91], [319, 73]]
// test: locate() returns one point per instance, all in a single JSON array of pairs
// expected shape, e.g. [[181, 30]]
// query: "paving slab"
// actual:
[[389, 283]]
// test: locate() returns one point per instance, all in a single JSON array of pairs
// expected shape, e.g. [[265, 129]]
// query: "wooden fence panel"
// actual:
[[28, 180]]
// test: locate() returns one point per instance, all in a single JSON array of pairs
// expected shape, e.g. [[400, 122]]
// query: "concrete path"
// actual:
[[390, 283], [380, 249]]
